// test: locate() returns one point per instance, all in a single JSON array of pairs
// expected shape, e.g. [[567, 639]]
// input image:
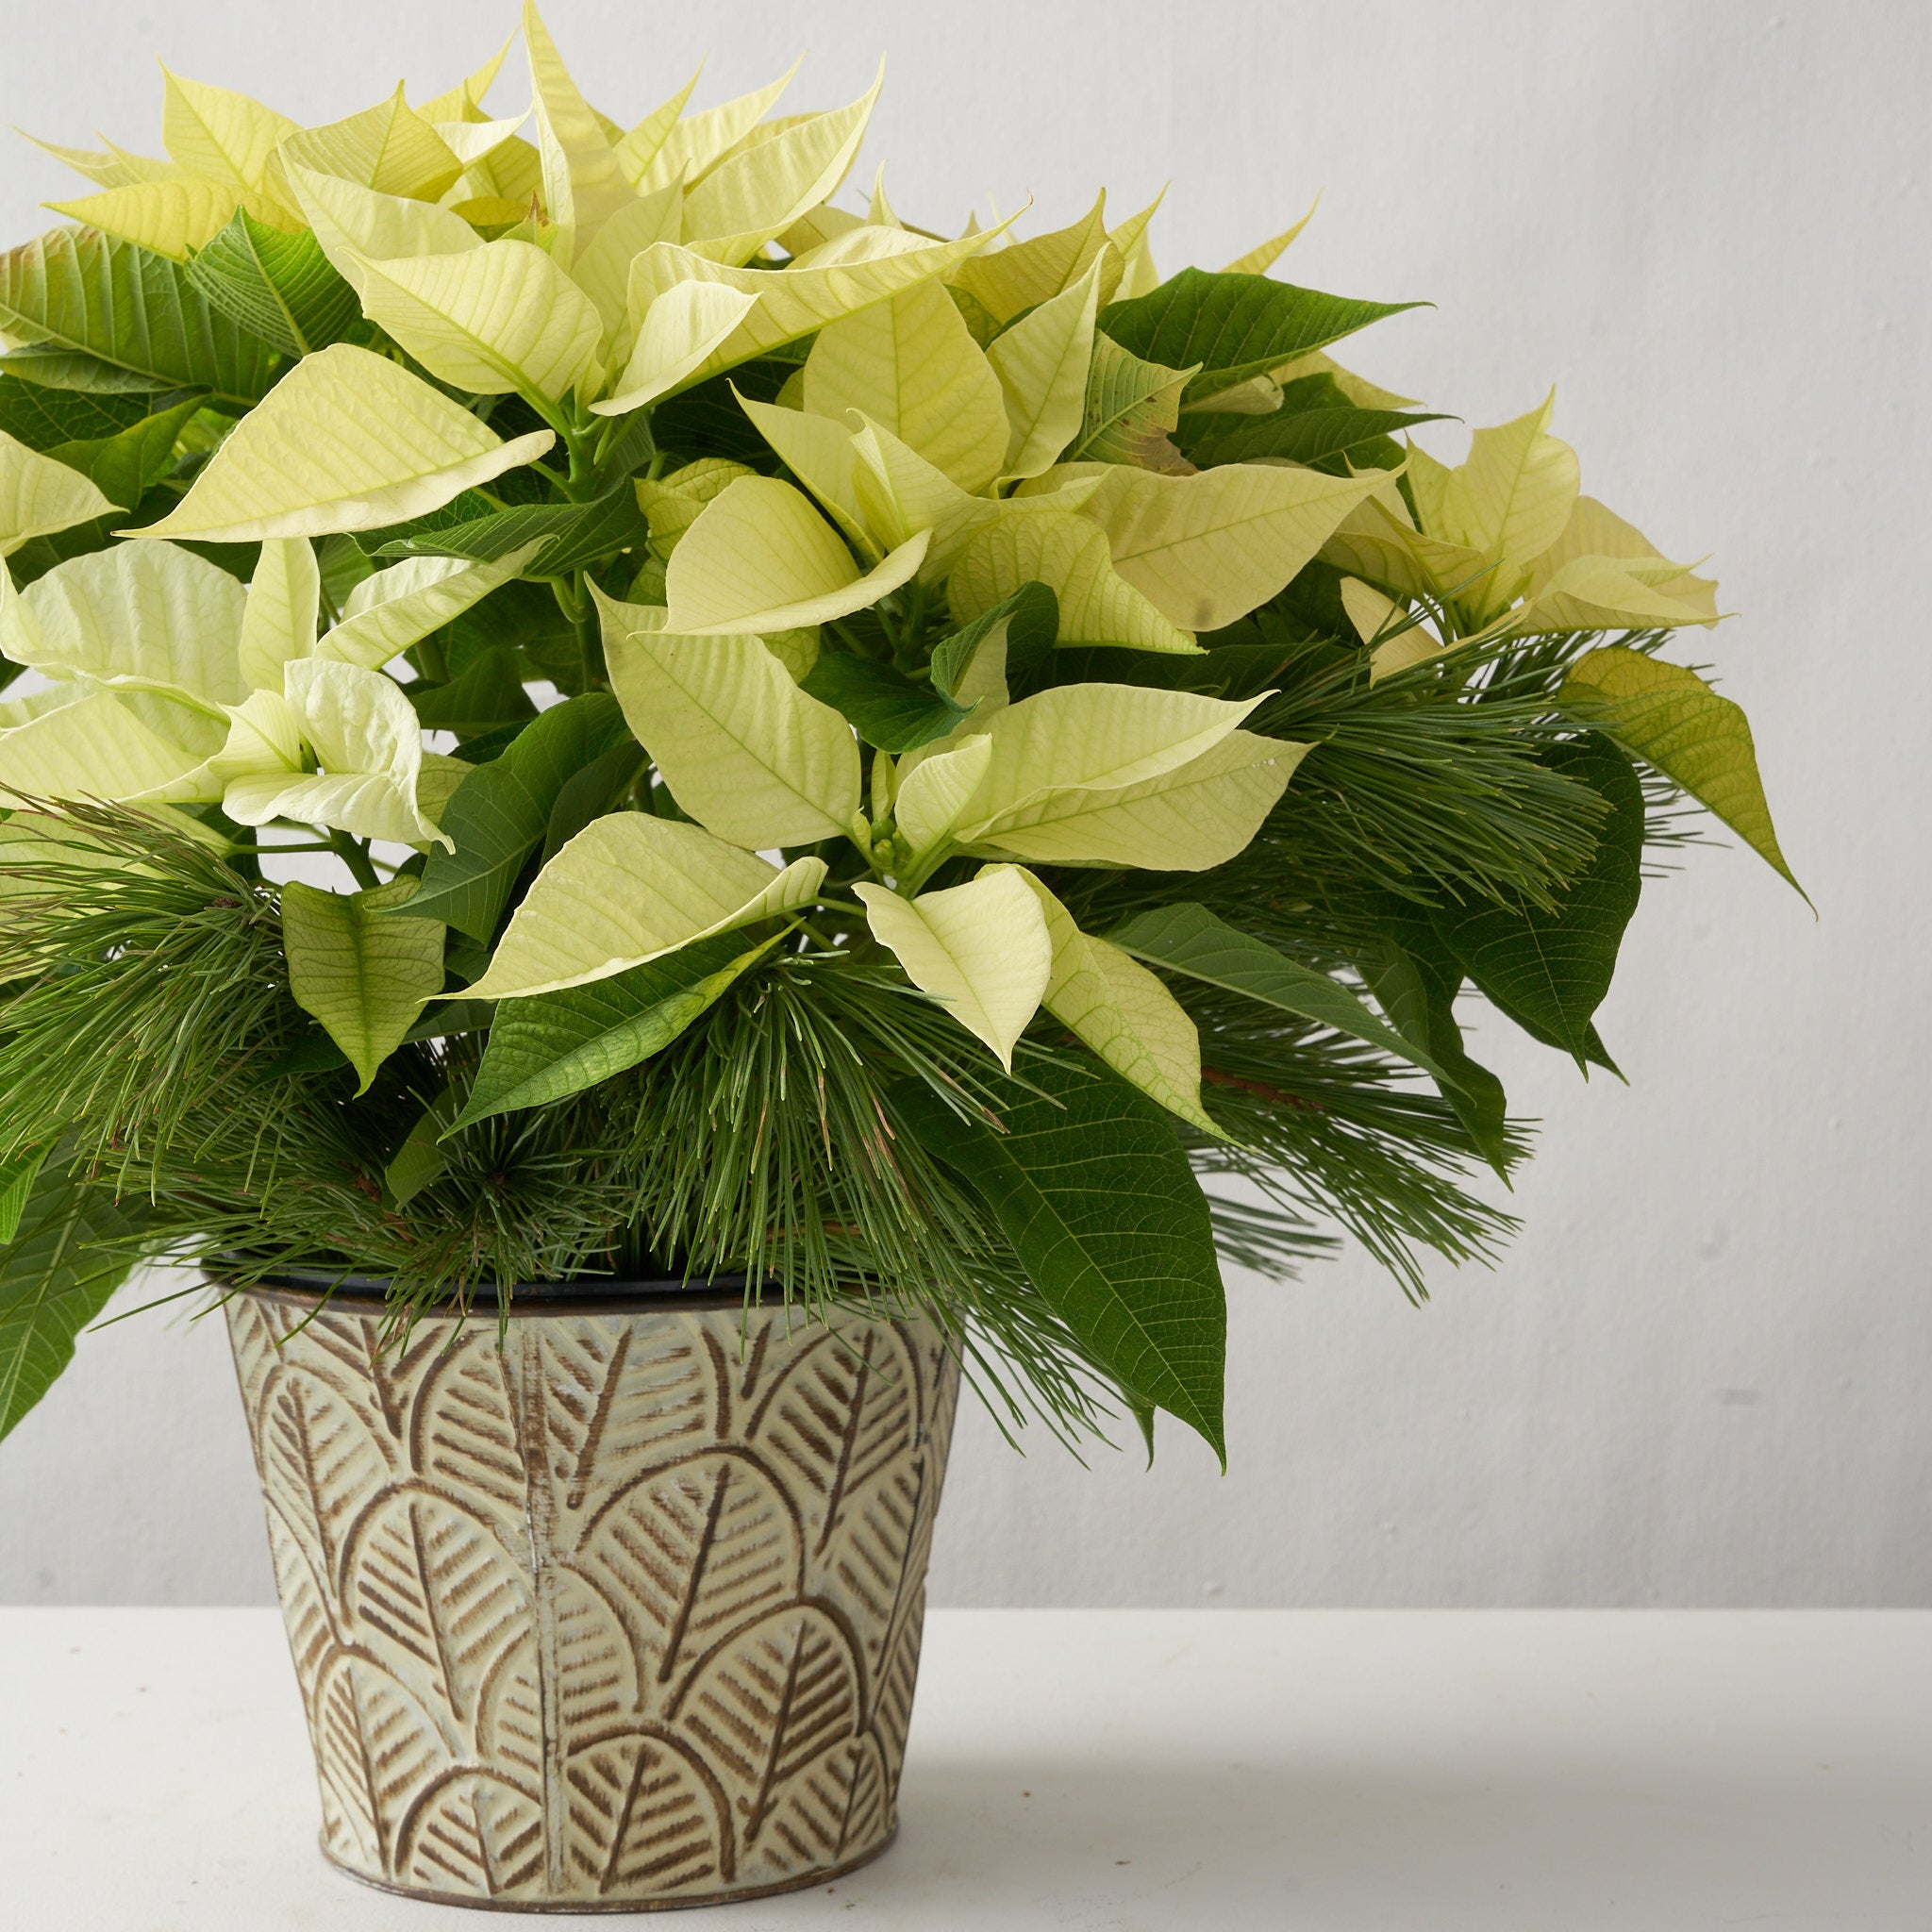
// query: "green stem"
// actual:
[[589, 640], [355, 855]]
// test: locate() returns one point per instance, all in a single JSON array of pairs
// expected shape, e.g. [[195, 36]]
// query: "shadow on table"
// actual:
[[1362, 1840]]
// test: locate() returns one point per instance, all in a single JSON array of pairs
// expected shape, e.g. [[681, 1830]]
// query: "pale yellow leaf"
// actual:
[[473, 142], [144, 167], [1363, 393], [279, 618], [1260, 395], [982, 948], [639, 147], [1378, 540], [1511, 498], [630, 888], [583, 184], [105, 747], [794, 301], [367, 740], [1087, 738], [346, 441], [819, 452], [464, 102], [396, 608], [1595, 531], [675, 502], [103, 169], [911, 366], [762, 559], [1139, 276], [1368, 610], [1068, 553], [1207, 549], [1129, 239], [1042, 363], [218, 135], [817, 226], [145, 617], [900, 494], [1428, 484], [744, 751], [1605, 594], [387, 147], [1194, 818], [879, 212], [264, 737], [695, 145], [1264, 255], [37, 704], [934, 792], [494, 320], [40, 494], [681, 329], [851, 246], [1029, 273], [354, 224], [602, 271], [1121, 1011], [507, 180], [170, 218], [756, 195]]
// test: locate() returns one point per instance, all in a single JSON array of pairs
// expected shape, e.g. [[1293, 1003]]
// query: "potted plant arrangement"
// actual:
[[651, 817]]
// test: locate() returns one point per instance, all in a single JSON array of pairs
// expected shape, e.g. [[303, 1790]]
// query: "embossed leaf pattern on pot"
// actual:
[[624, 1608]]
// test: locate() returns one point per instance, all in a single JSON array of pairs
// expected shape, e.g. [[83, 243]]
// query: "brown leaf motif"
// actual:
[[601, 1609]]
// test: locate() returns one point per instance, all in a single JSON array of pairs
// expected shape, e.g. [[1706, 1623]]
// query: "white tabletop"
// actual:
[[1150, 1771]]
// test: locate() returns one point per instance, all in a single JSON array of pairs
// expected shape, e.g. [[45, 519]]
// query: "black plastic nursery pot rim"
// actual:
[[368, 1294]]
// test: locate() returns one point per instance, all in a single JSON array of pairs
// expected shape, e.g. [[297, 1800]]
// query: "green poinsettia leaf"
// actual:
[[1232, 327], [1027, 621], [1549, 971], [55, 1278], [422, 1158], [555, 1044], [1132, 407], [1329, 440], [500, 812], [125, 466], [1190, 938], [1094, 1191], [1415, 980], [575, 534], [1672, 719], [884, 705], [82, 293], [278, 287], [18, 1174], [360, 969], [47, 367], [488, 696], [593, 793], [43, 418]]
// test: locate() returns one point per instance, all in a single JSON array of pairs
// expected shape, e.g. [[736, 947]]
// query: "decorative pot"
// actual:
[[613, 1608]]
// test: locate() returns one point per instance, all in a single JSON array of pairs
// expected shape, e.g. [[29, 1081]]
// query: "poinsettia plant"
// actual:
[[595, 714]]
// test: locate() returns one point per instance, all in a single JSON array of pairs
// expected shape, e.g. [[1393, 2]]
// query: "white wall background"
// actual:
[[1702, 1374]]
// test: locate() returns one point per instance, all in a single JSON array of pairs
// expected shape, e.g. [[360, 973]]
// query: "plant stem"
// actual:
[[589, 643], [355, 855]]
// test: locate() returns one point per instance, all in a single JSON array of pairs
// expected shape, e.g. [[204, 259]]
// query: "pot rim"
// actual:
[[306, 1288]]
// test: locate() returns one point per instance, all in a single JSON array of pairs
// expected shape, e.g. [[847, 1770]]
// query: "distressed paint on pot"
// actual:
[[623, 1612]]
